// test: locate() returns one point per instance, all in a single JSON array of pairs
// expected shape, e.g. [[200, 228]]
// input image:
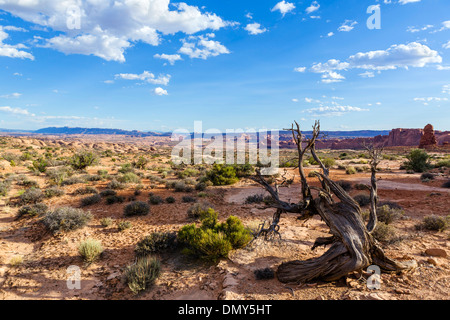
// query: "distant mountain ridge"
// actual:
[[77, 130]]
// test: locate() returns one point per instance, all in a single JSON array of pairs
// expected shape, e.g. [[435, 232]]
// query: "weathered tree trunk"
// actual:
[[353, 247]]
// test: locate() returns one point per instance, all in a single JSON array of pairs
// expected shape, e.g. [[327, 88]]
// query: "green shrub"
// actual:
[[188, 199], [88, 201], [434, 223], [115, 185], [126, 168], [53, 192], [156, 242], [221, 175], [136, 208], [108, 192], [4, 188], [58, 175], [124, 225], [71, 181], [90, 250], [213, 240], [328, 162], [140, 163], [170, 199], [199, 210], [443, 163], [142, 274], [31, 195], [32, 211], [362, 199], [66, 219], [39, 165], [426, 176], [256, 198], [384, 232], [243, 170], [312, 174], [114, 199], [129, 177], [350, 170], [418, 161], [85, 190], [106, 222], [155, 200], [201, 186], [82, 160], [388, 215]]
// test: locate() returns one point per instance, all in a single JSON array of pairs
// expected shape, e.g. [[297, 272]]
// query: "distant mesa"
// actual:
[[96, 131]]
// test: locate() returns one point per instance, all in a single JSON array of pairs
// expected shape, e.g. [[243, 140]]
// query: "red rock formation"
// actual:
[[428, 138]]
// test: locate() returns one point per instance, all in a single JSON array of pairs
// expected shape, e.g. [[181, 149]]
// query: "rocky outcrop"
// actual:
[[428, 138]]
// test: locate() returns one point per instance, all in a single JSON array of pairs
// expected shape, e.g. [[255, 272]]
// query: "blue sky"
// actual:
[[161, 65]]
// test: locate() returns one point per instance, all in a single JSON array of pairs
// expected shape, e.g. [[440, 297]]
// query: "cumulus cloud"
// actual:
[[347, 26], [255, 28], [107, 28], [446, 45], [202, 47], [407, 1], [12, 51], [16, 111], [300, 69], [284, 7], [313, 7], [160, 91], [11, 95], [335, 110], [145, 76], [171, 58]]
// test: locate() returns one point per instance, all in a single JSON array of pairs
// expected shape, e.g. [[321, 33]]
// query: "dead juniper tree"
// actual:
[[352, 246]]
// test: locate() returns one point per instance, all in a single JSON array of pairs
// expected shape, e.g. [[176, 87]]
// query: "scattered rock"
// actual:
[[436, 252]]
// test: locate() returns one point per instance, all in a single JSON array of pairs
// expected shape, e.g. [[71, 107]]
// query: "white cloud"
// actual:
[[145, 76], [11, 96], [446, 45], [202, 47], [300, 69], [109, 27], [294, 100], [417, 29], [255, 28], [413, 54], [313, 7], [429, 99], [12, 51], [441, 68], [160, 92], [16, 111], [446, 88], [333, 111], [367, 74], [407, 1], [284, 7], [347, 26], [330, 34], [332, 77], [330, 65], [171, 58]]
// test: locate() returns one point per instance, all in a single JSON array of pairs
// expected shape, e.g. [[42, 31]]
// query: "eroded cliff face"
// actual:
[[396, 138]]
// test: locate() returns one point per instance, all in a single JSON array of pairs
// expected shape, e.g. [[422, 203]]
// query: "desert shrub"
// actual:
[[35, 210], [360, 186], [443, 163], [179, 186], [256, 198], [243, 170], [221, 175], [188, 199], [136, 208], [108, 192], [201, 186], [362, 199], [384, 232], [32, 195], [115, 185], [312, 174], [106, 222], [426, 176], [90, 250], [53, 192], [444, 185], [66, 219], [418, 161], [4, 188], [129, 177], [15, 261], [189, 172], [155, 199], [434, 223], [347, 186], [198, 210], [124, 225], [93, 177], [140, 163], [264, 274], [170, 199], [103, 173], [88, 201], [112, 199], [82, 160], [213, 240], [58, 175], [350, 170], [328, 162], [85, 190], [156, 242], [71, 181], [388, 215], [142, 274], [23, 181]]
